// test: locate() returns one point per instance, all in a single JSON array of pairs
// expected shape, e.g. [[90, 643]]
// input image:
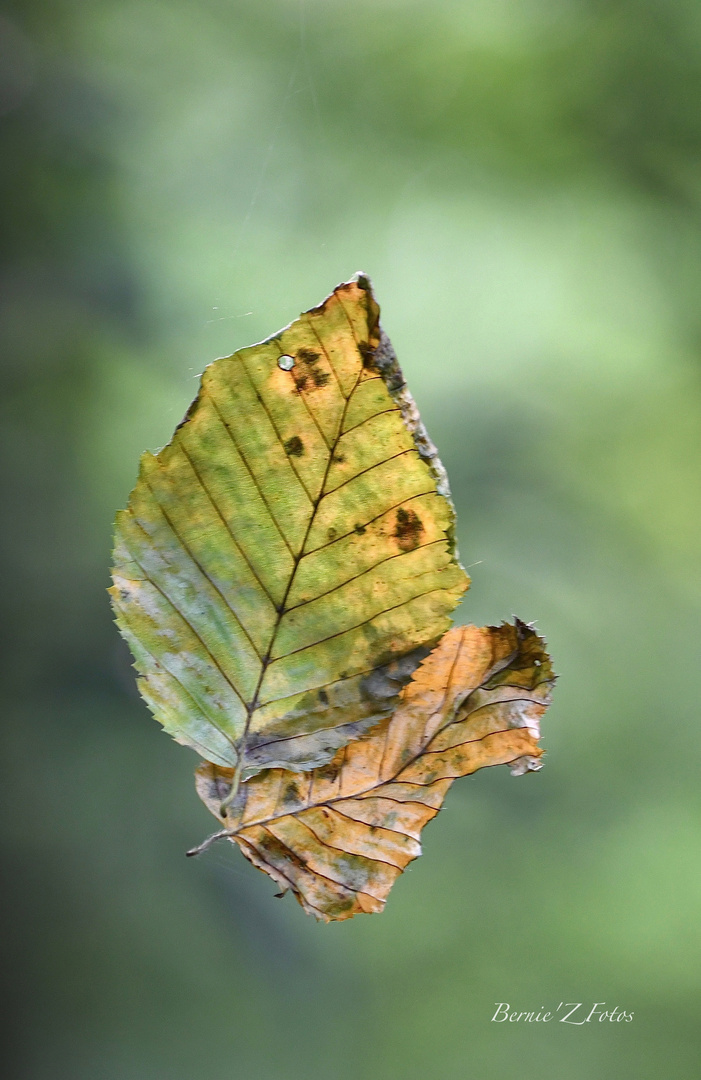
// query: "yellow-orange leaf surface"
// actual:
[[340, 835]]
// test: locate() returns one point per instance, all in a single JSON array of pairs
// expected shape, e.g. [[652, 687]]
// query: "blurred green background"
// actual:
[[521, 179]]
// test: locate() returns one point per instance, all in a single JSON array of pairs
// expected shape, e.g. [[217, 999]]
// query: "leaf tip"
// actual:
[[527, 763], [362, 280]]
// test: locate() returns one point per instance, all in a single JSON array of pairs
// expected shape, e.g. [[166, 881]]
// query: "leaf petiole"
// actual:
[[208, 842]]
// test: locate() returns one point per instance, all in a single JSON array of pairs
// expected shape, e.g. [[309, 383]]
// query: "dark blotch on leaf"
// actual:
[[386, 681], [219, 788], [360, 529], [323, 697], [310, 359], [344, 905], [279, 852], [290, 794], [294, 447], [328, 772], [368, 355], [408, 530]]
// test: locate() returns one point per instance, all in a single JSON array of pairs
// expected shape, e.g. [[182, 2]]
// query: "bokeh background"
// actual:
[[521, 179]]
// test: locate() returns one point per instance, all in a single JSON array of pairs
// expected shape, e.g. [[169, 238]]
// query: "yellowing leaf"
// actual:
[[338, 837], [288, 558]]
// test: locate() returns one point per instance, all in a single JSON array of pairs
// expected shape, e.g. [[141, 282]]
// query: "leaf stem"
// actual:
[[235, 783], [208, 842]]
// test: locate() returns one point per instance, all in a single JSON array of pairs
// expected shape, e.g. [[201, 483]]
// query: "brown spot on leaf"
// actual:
[[408, 530], [320, 378], [368, 355], [291, 793], [294, 447], [310, 359], [359, 529], [329, 772]]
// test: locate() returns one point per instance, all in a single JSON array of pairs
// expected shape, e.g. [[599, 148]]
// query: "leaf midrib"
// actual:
[[281, 609]]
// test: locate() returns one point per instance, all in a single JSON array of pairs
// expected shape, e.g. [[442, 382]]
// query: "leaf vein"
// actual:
[[337, 539], [367, 419], [195, 633], [197, 563], [225, 523], [368, 570], [360, 821], [392, 457], [313, 329], [356, 626], [344, 851], [252, 475]]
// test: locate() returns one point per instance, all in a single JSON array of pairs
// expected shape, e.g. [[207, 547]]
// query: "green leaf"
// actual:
[[286, 562]]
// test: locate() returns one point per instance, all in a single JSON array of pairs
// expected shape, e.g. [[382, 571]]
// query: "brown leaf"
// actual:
[[339, 836]]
